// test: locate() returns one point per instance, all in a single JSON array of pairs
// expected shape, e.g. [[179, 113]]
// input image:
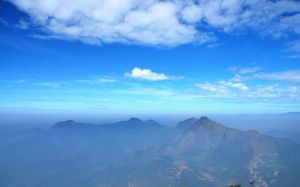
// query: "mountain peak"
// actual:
[[205, 123], [204, 119], [135, 120], [65, 124]]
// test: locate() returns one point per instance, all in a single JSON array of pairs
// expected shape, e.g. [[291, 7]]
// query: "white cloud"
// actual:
[[147, 22], [242, 93], [155, 22], [147, 74], [288, 92], [192, 14], [222, 87], [213, 88], [236, 85], [289, 75]]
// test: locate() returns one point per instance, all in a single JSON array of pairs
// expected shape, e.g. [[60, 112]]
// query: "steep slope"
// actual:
[[208, 154], [186, 123]]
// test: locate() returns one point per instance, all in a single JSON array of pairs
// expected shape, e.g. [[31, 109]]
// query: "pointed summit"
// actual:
[[205, 123], [204, 119], [129, 124]]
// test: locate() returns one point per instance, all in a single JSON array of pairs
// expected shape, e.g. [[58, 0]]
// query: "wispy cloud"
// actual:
[[284, 93], [244, 70], [242, 73], [19, 81], [238, 87], [294, 46], [22, 24], [52, 85], [293, 49], [147, 74], [107, 80], [251, 73], [222, 87], [166, 23], [289, 75], [212, 88], [98, 80]]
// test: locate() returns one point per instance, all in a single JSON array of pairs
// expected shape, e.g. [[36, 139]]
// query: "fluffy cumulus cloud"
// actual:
[[147, 74], [155, 22]]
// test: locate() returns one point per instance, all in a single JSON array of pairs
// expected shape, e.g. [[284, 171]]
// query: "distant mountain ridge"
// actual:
[[208, 154], [132, 123], [69, 124], [196, 152]]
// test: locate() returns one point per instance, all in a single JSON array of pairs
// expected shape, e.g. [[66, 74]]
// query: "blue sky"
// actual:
[[149, 56]]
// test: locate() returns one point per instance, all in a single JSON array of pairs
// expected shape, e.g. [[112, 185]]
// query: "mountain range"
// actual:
[[197, 152]]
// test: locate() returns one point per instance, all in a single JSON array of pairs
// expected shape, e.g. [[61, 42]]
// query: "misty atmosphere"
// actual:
[[135, 152], [150, 93]]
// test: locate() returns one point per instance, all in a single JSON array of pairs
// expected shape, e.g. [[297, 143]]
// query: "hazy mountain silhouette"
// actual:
[[208, 154], [131, 124], [197, 152], [71, 150], [292, 135]]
